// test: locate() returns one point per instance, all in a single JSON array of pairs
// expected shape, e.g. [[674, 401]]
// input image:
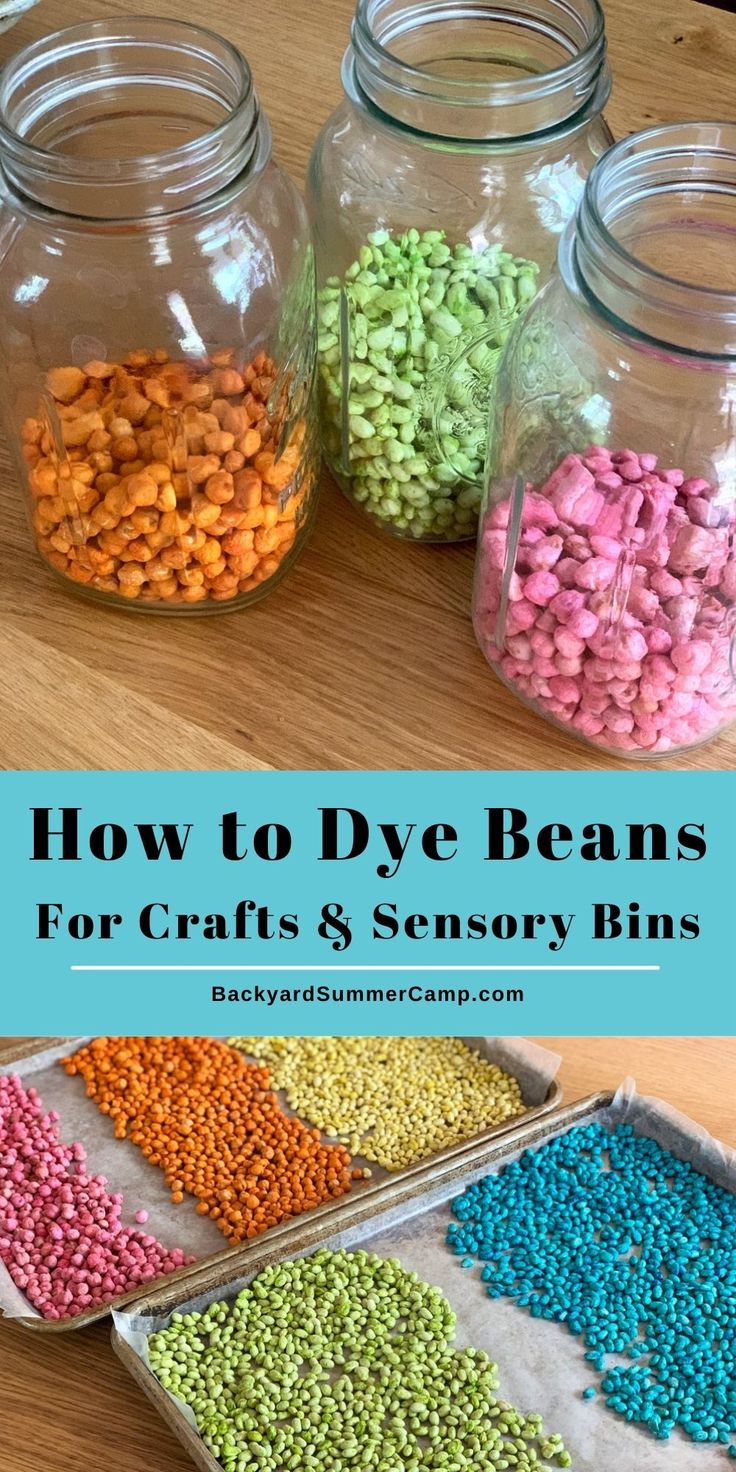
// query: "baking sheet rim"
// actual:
[[515, 1140], [442, 1163]]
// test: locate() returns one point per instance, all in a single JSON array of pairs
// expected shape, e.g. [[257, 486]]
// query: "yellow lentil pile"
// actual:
[[392, 1100]]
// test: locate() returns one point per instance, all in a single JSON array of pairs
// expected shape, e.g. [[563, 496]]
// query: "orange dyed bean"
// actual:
[[166, 472], [209, 1120]]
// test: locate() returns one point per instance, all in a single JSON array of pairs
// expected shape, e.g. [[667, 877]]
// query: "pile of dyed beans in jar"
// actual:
[[635, 1251], [621, 601], [343, 1361], [160, 481], [209, 1121], [62, 1239], [392, 1100], [427, 322]]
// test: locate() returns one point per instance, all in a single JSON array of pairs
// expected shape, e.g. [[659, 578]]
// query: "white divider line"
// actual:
[[392, 969]]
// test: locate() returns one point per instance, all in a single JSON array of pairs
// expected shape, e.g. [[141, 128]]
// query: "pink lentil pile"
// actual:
[[621, 604], [61, 1237]]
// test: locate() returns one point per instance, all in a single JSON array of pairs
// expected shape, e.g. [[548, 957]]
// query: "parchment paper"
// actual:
[[542, 1367], [143, 1184]]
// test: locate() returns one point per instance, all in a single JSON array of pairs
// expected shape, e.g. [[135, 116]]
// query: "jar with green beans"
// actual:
[[438, 191]]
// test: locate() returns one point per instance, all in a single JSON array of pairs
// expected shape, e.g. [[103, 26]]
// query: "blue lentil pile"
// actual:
[[635, 1251]]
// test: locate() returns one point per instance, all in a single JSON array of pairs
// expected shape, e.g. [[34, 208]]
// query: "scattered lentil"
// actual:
[[426, 325], [340, 1361], [61, 1237], [634, 1250], [392, 1100], [620, 615], [210, 1121], [165, 482]]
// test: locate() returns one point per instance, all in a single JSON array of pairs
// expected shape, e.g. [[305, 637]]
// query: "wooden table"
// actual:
[[66, 1402], [364, 656]]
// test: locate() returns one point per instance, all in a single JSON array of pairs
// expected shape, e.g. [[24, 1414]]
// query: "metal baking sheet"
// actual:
[[174, 1225], [542, 1367]]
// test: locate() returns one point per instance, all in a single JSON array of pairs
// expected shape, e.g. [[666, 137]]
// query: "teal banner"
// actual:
[[396, 902]]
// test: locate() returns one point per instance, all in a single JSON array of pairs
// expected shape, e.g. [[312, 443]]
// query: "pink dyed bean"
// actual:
[[599, 671], [537, 511], [541, 587], [696, 486], [567, 603], [521, 616], [608, 547], [571, 490], [519, 646], [542, 643], [649, 661], [664, 584], [500, 515], [578, 547], [596, 574], [583, 623], [594, 698], [658, 640], [589, 724], [643, 603], [693, 548], [566, 571], [631, 646], [567, 642], [61, 1237], [545, 554], [566, 690], [494, 547]]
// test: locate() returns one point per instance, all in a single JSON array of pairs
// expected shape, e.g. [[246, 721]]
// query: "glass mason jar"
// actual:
[[438, 191], [605, 591], [157, 329]]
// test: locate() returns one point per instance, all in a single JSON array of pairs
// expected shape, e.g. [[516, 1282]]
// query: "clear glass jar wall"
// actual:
[[605, 591], [438, 192], [157, 331]]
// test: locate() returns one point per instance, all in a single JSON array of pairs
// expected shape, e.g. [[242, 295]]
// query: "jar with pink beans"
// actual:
[[605, 588]]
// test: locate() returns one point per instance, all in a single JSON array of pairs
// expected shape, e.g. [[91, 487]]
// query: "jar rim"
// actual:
[[381, 70], [659, 303], [220, 148]]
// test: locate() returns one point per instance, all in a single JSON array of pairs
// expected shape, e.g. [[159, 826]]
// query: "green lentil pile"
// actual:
[[392, 1100], [339, 1362], [425, 325]]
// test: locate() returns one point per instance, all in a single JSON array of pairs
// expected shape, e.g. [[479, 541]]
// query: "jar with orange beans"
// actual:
[[157, 332]]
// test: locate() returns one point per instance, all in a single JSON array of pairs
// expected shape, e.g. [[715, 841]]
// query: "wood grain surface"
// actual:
[[364, 656], [67, 1402]]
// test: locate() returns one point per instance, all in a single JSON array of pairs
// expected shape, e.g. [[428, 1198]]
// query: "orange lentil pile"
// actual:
[[210, 1121], [165, 482]]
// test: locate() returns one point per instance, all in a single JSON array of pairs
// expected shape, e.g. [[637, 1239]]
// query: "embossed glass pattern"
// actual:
[[157, 335], [438, 192], [605, 591]]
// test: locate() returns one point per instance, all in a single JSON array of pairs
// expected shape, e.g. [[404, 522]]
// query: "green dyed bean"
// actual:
[[338, 1361], [427, 322]]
